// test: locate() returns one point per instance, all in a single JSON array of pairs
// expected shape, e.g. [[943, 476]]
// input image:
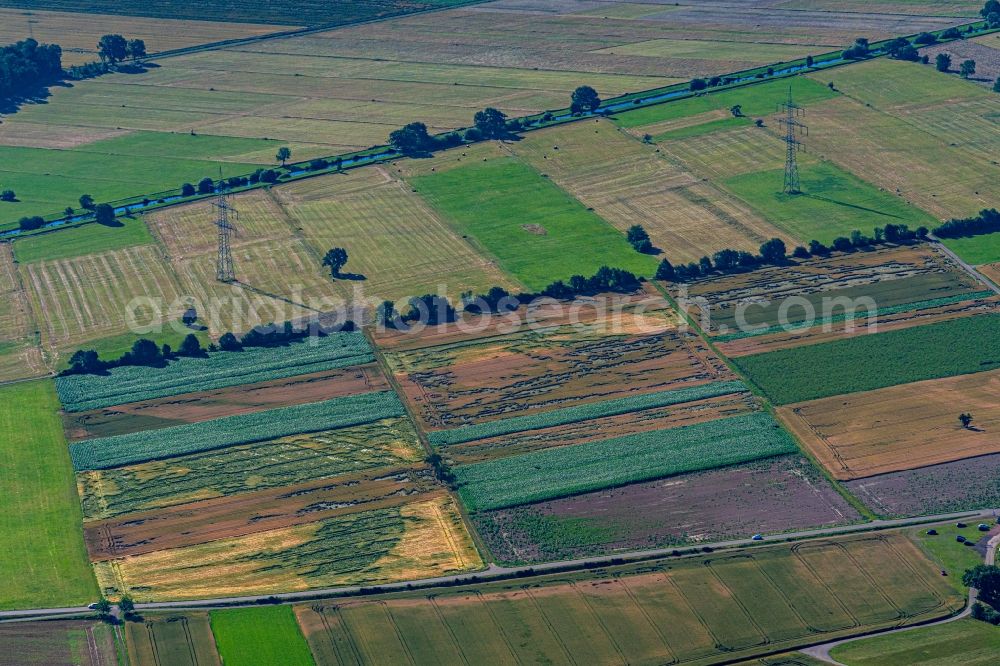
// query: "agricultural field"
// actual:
[[627, 182], [77, 32], [248, 636], [901, 427], [172, 640], [78, 642], [983, 249], [766, 496], [44, 562], [475, 379], [868, 362], [421, 539], [956, 486], [971, 642], [82, 240], [20, 356], [692, 610], [400, 246], [536, 231]]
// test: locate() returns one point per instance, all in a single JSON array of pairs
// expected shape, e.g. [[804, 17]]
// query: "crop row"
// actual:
[[569, 470], [108, 452], [216, 370], [586, 412]]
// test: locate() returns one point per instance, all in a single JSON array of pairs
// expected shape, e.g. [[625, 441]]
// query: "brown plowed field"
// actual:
[[902, 427], [767, 496], [887, 322], [240, 515], [208, 405], [512, 375], [660, 418]]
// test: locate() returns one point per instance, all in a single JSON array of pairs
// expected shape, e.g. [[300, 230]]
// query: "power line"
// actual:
[[224, 271], [793, 129]]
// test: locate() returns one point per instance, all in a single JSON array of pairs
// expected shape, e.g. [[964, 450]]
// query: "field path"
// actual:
[[969, 268], [822, 652]]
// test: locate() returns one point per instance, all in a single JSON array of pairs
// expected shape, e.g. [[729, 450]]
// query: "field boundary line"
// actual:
[[900, 615], [765, 638], [796, 551], [499, 625], [552, 630], [447, 627], [646, 616], [348, 633], [907, 565], [599, 621]]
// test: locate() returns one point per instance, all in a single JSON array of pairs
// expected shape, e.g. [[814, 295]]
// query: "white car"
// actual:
[[757, 537]]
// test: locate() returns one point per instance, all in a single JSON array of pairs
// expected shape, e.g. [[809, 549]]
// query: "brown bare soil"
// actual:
[[208, 405], [815, 335], [250, 513], [504, 378], [767, 496], [902, 427], [962, 485], [660, 418]]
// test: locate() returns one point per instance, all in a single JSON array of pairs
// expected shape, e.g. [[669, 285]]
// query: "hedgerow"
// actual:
[[108, 452], [570, 470], [585, 412], [217, 370]]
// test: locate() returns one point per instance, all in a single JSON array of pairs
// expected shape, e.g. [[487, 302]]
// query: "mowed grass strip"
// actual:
[[264, 635], [215, 370], [108, 452], [584, 412], [833, 203], [569, 470], [867, 362], [982, 249], [537, 232], [967, 642], [43, 562], [85, 239]]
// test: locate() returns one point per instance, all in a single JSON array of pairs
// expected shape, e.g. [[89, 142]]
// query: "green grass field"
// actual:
[[48, 180], [954, 557], [834, 203], [265, 635], [43, 562], [86, 239], [984, 249], [871, 361], [113, 347], [756, 100], [966, 642], [537, 232]]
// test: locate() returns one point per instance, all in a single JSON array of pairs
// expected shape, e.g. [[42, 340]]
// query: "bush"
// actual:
[[206, 186], [31, 223]]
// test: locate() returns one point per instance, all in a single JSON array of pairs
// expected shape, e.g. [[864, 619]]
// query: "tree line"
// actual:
[[987, 222], [774, 252], [26, 66]]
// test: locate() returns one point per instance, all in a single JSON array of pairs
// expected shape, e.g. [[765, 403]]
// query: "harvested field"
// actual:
[[69, 642], [395, 240], [660, 418], [766, 496], [984, 50], [20, 356], [84, 298], [501, 203], [77, 33], [421, 539], [214, 370], [955, 486], [148, 445], [250, 513], [892, 277], [627, 182], [248, 468], [218, 403], [172, 640], [564, 471], [699, 610], [902, 427], [484, 379], [867, 362]]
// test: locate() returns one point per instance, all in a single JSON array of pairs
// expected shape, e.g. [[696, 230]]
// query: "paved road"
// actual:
[[822, 652], [499, 573]]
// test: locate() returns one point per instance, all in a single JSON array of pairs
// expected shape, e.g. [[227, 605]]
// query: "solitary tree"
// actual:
[[8, 195], [85, 361], [190, 316], [386, 314], [206, 186], [104, 214], [966, 419], [103, 607], [736, 110], [112, 49], [665, 271], [126, 605], [87, 202], [942, 62], [191, 346], [491, 123], [967, 68], [228, 342], [136, 49], [412, 139], [773, 251], [584, 98], [335, 259], [283, 154]]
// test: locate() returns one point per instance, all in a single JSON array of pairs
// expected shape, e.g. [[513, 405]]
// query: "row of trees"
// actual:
[[26, 66], [987, 222], [774, 252], [113, 49]]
